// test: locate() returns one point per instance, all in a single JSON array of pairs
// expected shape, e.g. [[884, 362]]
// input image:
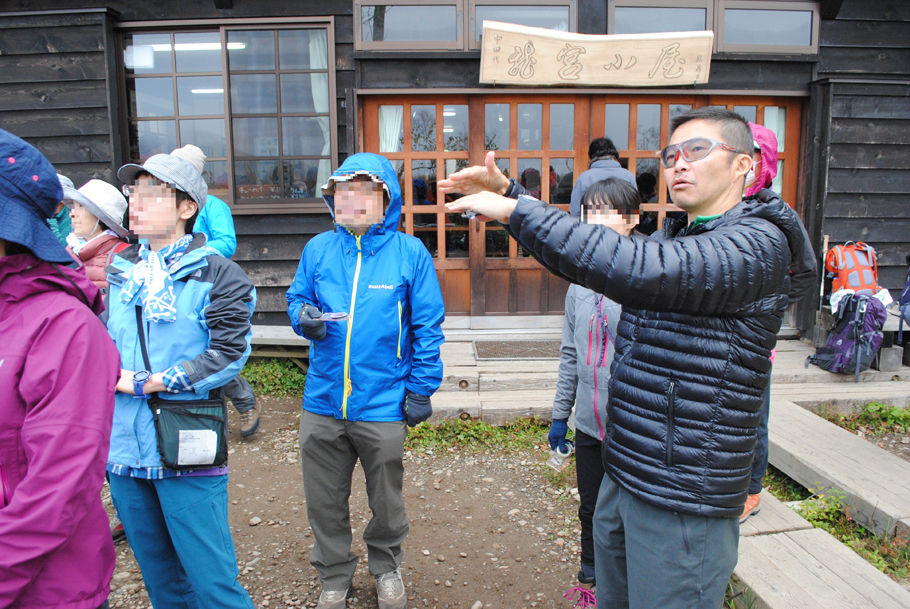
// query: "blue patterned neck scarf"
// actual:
[[151, 279]]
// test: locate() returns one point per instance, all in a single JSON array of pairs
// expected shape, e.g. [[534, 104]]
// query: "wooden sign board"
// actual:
[[521, 55]]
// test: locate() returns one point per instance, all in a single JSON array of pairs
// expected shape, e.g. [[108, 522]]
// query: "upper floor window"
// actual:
[[411, 25], [257, 100], [764, 26]]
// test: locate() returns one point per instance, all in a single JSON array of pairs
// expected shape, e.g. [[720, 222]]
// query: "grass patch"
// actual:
[[273, 376], [783, 486], [891, 555], [875, 418]]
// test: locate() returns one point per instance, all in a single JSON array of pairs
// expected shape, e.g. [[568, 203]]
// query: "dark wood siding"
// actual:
[[56, 83], [861, 125]]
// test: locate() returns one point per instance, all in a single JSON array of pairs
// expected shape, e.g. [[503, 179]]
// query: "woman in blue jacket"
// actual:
[[195, 308], [369, 372]]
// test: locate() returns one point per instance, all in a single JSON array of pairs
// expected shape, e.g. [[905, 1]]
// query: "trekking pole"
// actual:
[[821, 293]]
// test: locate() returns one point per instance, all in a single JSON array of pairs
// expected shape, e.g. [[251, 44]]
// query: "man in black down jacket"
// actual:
[[702, 303]]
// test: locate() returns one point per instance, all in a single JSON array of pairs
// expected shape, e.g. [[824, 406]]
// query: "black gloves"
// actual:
[[311, 323], [417, 408]]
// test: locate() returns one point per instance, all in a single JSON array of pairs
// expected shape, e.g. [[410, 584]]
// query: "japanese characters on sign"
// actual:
[[516, 54]]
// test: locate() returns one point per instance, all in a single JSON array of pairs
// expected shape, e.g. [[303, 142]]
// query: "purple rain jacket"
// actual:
[[58, 370]]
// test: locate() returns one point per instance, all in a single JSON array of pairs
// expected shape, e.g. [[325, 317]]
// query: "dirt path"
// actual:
[[485, 527]]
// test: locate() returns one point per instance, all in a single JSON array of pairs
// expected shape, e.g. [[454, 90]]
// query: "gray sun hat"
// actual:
[[104, 202], [172, 170]]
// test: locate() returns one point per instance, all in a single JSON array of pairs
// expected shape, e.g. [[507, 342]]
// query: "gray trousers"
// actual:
[[241, 394], [329, 449], [647, 557]]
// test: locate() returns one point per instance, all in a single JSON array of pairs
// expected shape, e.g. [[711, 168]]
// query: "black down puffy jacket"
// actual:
[[701, 307]]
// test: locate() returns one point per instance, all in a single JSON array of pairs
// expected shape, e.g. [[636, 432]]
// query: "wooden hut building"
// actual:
[[278, 92]]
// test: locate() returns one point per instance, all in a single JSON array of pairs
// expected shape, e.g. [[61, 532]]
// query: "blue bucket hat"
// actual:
[[29, 194]]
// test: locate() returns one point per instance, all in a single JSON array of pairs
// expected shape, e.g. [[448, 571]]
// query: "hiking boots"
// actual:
[[390, 591], [249, 421], [751, 507], [332, 599]]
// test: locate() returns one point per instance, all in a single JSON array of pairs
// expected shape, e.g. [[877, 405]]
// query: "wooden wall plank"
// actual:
[[270, 272], [46, 20], [496, 291], [869, 156], [885, 10], [52, 67], [879, 61], [456, 288], [32, 41], [871, 230], [865, 205], [283, 224], [267, 247], [83, 149], [52, 122], [868, 180], [860, 33], [80, 173], [528, 291], [880, 106], [30, 96], [864, 131]]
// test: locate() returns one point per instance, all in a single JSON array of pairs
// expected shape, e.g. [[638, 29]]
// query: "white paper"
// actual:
[[196, 446]]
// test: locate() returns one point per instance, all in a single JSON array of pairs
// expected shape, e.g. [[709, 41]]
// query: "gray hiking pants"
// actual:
[[241, 394], [647, 557], [329, 449]]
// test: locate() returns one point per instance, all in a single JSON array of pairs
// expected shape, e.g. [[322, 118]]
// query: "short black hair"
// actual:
[[621, 195], [734, 127], [602, 147]]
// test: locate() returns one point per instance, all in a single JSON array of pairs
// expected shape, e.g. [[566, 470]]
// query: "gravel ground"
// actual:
[[488, 529]]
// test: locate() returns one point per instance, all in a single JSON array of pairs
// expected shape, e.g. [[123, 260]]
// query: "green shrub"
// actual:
[[875, 418], [272, 376]]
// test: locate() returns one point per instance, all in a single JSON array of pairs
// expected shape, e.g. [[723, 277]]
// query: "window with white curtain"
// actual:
[[256, 99]]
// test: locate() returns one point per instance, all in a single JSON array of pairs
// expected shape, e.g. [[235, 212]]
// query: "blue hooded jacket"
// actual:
[[386, 282]]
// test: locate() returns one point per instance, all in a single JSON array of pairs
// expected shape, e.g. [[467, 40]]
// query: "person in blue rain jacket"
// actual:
[[370, 373]]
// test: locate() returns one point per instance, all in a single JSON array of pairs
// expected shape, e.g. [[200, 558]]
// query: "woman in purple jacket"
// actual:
[[58, 369]]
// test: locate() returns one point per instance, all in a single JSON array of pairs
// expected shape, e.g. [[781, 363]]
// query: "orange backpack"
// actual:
[[852, 265]]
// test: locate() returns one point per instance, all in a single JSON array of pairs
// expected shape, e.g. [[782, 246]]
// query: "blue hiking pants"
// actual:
[[647, 557], [178, 531]]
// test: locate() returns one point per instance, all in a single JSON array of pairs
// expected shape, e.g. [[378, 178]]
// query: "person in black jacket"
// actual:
[[702, 301]]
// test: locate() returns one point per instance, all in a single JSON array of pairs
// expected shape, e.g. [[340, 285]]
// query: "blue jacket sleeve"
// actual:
[[216, 222], [301, 291], [427, 315]]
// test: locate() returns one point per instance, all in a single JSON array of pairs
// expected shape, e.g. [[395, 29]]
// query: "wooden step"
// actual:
[[820, 456]]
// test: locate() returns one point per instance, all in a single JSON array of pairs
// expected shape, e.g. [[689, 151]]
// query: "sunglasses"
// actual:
[[693, 150]]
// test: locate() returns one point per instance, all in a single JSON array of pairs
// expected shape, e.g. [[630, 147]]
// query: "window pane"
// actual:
[[646, 171], [778, 181], [552, 17], [257, 179], [256, 136], [155, 137], [496, 126], [152, 97], [424, 194], [198, 52], [529, 127], [747, 112], [423, 128], [616, 124], [301, 179], [503, 165], [391, 128], [450, 167], [413, 23], [642, 20], [776, 121], [208, 134], [305, 136], [147, 53], [529, 176], [455, 127], [676, 110], [200, 95], [253, 94], [562, 126], [767, 27], [251, 50], [561, 179], [648, 127], [301, 92], [302, 50], [215, 175]]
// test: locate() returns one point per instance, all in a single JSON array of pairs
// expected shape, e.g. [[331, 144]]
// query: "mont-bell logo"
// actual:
[[381, 286]]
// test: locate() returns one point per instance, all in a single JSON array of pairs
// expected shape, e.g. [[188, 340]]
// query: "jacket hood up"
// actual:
[[23, 276], [767, 142], [378, 167]]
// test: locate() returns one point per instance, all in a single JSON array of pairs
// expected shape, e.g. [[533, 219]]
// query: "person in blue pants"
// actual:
[[217, 224]]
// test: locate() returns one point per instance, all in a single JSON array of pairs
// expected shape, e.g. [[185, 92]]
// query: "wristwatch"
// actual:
[[140, 378]]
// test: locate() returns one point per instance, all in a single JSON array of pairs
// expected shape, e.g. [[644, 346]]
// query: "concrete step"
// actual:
[[820, 455]]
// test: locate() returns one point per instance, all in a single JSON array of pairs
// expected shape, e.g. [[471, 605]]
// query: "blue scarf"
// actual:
[[151, 279]]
